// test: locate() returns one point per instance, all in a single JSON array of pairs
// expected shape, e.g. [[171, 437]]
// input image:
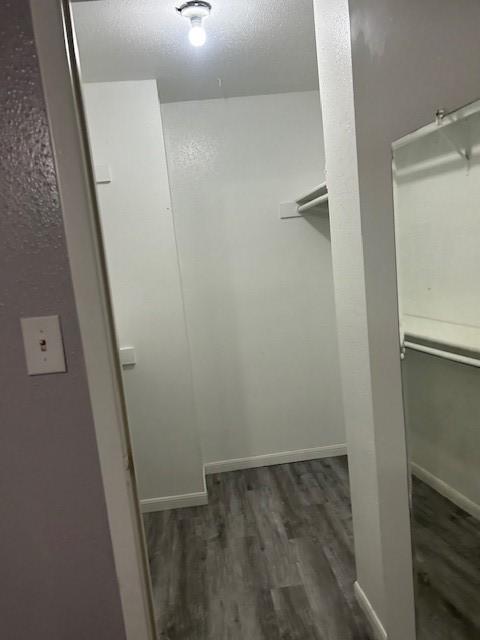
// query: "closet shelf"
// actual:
[[314, 202]]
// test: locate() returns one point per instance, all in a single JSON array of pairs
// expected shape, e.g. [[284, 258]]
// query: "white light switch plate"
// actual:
[[42, 338]]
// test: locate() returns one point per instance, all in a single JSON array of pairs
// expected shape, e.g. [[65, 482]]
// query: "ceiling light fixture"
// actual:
[[196, 11]]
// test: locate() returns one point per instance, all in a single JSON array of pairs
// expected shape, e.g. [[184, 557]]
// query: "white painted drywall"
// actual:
[[437, 226], [336, 87], [407, 60], [258, 290], [437, 196], [443, 413], [126, 133]]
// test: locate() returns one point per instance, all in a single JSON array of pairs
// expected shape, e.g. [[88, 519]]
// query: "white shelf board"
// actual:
[[463, 338]]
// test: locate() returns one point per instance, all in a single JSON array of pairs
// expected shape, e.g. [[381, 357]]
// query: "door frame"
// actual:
[[57, 54]]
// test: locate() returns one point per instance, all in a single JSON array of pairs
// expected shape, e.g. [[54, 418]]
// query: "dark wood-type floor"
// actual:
[[271, 558], [447, 544]]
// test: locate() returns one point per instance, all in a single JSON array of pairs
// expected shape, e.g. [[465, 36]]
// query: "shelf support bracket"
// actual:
[[463, 151]]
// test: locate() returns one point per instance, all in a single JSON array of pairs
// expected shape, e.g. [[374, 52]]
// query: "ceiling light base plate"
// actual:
[[195, 9]]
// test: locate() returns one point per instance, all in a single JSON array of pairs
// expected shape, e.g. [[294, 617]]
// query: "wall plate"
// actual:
[[42, 338]]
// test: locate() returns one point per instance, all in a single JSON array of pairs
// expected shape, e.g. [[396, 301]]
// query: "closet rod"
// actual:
[[313, 203], [447, 355]]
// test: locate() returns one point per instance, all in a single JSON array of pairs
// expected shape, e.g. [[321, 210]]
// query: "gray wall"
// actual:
[[409, 59], [57, 572], [443, 416]]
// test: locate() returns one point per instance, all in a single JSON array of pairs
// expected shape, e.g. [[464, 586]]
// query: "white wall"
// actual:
[[406, 60], [437, 229], [437, 197], [126, 134], [336, 87], [258, 290], [443, 414]]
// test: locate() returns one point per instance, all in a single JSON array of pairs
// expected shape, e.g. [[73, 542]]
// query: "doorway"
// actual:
[[210, 181]]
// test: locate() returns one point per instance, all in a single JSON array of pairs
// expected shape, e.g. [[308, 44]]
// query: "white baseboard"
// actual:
[[374, 621], [270, 459], [174, 502], [446, 490], [201, 497]]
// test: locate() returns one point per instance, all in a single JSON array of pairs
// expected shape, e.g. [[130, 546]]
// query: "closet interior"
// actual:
[[210, 173], [436, 191], [207, 148]]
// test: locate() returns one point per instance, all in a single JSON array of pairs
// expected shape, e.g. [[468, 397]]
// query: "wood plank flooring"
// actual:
[[269, 558], [447, 545]]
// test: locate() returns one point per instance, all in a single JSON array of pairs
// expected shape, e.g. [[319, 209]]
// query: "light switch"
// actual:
[[42, 338]]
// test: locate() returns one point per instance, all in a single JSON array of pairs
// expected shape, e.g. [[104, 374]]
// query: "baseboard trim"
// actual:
[[174, 502], [365, 605], [446, 490], [201, 497], [270, 459]]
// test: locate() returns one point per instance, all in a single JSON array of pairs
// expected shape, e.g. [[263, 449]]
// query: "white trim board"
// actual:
[[365, 605], [446, 490], [180, 501], [174, 502], [270, 459], [199, 498]]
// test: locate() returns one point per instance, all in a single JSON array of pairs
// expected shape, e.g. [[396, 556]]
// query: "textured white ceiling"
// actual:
[[253, 47]]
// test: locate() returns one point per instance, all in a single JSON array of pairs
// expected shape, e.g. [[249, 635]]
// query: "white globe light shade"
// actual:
[[197, 35]]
